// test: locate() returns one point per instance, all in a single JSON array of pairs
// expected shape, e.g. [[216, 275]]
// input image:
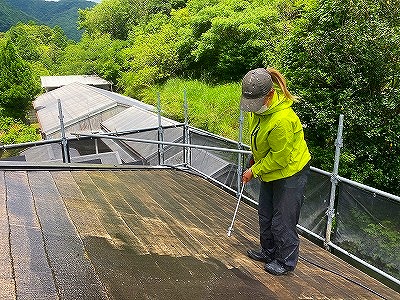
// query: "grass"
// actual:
[[211, 108]]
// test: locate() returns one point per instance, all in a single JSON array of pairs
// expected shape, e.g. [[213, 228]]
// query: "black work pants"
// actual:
[[278, 211]]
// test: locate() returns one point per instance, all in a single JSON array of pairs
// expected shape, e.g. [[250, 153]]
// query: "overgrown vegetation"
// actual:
[[212, 108], [338, 56], [13, 131]]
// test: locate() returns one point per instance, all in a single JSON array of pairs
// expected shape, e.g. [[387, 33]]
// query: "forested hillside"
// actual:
[[10, 16], [340, 57], [63, 13]]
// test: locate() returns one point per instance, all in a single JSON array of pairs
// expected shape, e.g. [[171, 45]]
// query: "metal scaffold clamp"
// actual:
[[334, 178], [330, 212], [339, 142]]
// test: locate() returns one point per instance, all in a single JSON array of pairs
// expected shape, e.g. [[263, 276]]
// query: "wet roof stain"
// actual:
[[127, 274]]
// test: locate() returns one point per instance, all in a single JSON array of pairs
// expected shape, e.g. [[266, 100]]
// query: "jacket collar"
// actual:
[[278, 102]]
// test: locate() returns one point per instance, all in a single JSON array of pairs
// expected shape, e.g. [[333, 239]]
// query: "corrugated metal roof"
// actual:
[[135, 118], [78, 101]]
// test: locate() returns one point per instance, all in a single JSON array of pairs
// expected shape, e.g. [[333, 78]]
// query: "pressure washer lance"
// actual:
[[230, 229]]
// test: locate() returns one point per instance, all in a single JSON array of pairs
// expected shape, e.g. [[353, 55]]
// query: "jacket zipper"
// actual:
[[254, 134]]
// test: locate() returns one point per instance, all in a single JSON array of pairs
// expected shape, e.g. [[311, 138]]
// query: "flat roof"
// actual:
[[58, 81], [146, 233]]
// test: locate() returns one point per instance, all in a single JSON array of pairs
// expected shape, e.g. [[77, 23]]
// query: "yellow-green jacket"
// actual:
[[277, 141]]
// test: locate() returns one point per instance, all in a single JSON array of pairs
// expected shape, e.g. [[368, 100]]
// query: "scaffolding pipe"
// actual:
[[331, 209], [29, 144], [368, 188], [158, 142], [217, 137], [64, 141], [320, 171], [131, 131], [96, 146], [160, 132], [309, 232], [186, 154]]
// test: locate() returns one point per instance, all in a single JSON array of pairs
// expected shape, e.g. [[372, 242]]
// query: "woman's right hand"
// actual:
[[247, 175]]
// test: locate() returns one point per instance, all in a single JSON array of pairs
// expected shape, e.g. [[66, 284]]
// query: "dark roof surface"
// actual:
[[146, 234]]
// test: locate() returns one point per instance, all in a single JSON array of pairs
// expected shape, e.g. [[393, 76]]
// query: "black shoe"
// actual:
[[259, 255], [276, 268]]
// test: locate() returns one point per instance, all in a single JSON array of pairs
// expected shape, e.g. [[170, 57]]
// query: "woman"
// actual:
[[281, 162]]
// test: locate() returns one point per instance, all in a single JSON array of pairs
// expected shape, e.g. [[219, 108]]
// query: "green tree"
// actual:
[[99, 55], [39, 45], [118, 17], [153, 54], [230, 37], [17, 84], [113, 17], [165, 7], [343, 57]]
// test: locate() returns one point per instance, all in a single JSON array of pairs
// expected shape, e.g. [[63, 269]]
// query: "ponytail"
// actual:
[[278, 79]]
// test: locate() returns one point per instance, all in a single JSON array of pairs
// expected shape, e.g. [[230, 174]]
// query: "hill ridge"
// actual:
[[63, 13]]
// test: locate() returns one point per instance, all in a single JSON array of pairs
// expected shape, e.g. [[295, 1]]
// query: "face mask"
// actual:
[[262, 109]]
